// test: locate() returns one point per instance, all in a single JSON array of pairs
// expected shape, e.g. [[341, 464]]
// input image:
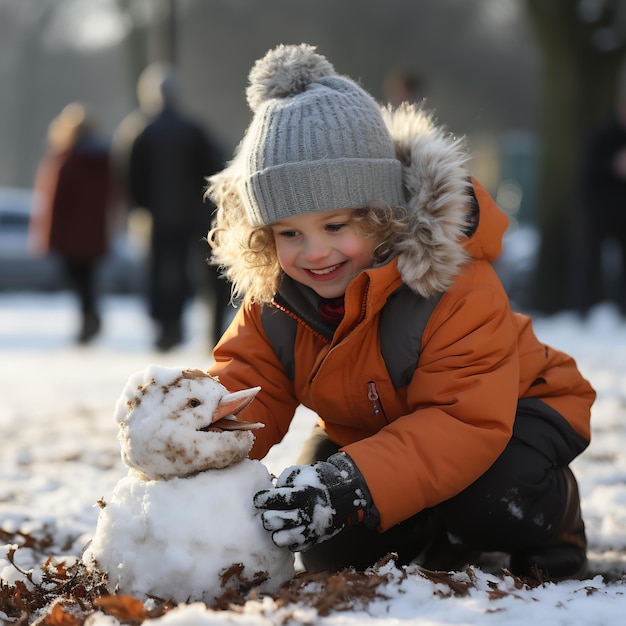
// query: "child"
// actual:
[[445, 427]]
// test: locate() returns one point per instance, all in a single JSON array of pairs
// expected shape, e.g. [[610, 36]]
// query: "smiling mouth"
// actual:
[[326, 270]]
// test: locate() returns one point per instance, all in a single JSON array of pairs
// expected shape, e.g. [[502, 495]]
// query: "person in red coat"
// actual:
[[74, 191]]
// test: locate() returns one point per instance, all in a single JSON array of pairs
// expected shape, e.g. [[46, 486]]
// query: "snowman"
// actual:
[[181, 525]]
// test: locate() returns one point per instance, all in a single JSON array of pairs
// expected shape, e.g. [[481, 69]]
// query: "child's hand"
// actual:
[[312, 503]]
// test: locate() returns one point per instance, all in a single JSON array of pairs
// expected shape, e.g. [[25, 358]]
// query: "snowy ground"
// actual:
[[60, 455]]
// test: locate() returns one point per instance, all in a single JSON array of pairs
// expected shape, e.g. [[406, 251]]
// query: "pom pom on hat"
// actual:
[[317, 141], [285, 71]]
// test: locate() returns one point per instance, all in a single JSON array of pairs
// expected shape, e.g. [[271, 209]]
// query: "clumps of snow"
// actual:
[[161, 413], [178, 539], [181, 525]]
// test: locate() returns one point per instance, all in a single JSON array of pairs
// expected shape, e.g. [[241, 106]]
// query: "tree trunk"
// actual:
[[579, 86]]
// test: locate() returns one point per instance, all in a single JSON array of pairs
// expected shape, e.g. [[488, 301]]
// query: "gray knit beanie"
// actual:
[[317, 141]]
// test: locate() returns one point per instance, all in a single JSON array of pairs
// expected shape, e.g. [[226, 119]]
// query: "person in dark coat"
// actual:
[[604, 195], [168, 162], [75, 195]]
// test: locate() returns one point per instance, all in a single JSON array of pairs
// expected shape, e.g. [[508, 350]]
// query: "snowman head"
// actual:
[[177, 422]]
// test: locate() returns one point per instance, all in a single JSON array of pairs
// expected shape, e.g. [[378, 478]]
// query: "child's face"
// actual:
[[322, 250]]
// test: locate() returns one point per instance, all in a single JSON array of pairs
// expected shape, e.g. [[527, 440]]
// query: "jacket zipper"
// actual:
[[372, 396]]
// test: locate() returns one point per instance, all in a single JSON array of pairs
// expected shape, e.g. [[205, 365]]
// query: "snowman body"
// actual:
[[215, 529], [184, 537]]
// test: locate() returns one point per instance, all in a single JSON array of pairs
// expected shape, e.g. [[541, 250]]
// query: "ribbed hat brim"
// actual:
[[292, 189]]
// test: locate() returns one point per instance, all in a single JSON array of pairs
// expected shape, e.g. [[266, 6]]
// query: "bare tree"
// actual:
[[583, 45]]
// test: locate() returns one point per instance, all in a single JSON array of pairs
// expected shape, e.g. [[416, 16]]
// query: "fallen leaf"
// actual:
[[59, 617], [125, 608]]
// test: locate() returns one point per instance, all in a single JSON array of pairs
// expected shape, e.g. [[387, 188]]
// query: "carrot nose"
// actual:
[[234, 403]]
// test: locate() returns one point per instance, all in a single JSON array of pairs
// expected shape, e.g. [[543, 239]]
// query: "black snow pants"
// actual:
[[517, 503]]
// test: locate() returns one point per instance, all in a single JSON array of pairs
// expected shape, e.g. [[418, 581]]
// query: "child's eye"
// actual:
[[288, 234], [335, 228]]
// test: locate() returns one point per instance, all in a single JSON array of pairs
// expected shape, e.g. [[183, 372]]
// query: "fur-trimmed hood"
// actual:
[[451, 216], [443, 201]]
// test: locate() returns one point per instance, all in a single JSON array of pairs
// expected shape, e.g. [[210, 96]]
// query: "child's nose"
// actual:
[[315, 249]]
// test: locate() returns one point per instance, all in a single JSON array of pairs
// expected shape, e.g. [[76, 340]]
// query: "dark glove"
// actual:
[[312, 503]]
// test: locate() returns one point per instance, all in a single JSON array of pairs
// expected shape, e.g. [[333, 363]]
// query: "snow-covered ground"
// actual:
[[60, 455]]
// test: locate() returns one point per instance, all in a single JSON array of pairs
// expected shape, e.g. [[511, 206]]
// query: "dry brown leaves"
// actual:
[[343, 591], [66, 595]]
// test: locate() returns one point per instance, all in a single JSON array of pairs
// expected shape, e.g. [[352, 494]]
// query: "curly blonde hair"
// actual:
[[247, 255]]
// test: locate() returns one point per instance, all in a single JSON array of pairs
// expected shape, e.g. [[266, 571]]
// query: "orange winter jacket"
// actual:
[[420, 444]]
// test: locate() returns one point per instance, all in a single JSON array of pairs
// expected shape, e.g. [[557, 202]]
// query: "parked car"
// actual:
[[122, 271]]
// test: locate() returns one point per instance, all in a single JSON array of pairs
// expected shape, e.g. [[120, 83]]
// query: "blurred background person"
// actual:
[[604, 196], [74, 207], [165, 157]]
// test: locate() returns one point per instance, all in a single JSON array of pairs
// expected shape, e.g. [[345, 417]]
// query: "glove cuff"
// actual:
[[350, 495]]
